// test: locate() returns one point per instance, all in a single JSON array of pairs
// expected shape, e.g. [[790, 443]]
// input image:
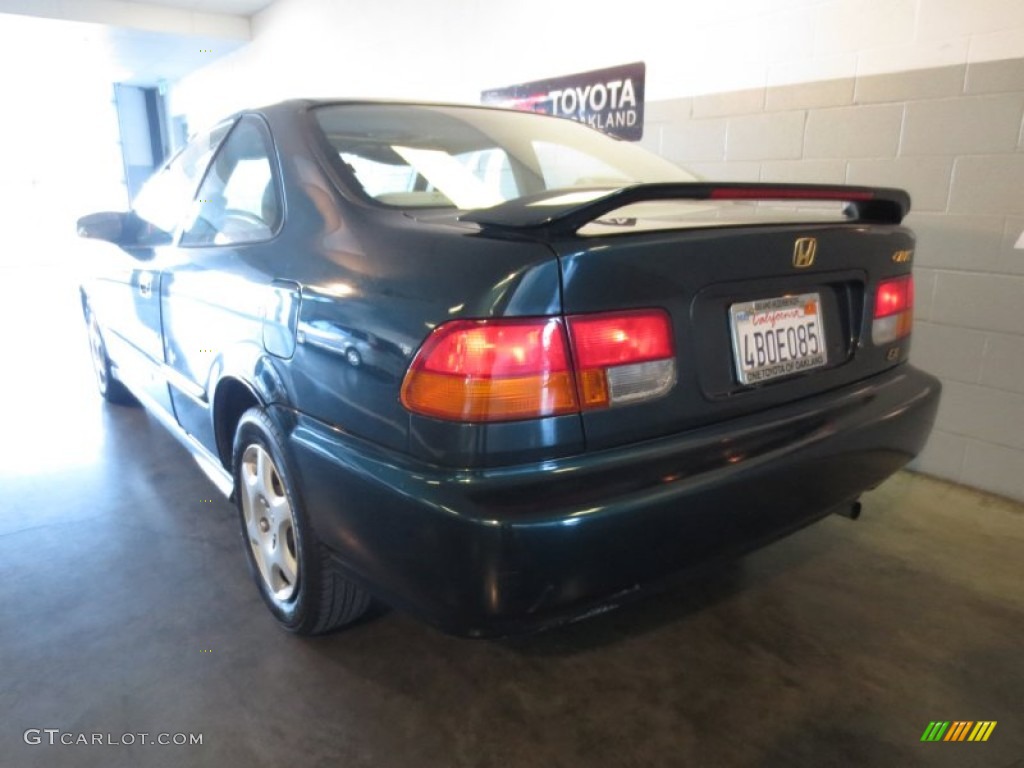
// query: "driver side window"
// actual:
[[238, 201]]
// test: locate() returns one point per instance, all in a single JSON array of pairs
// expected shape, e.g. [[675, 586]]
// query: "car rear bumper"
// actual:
[[498, 550]]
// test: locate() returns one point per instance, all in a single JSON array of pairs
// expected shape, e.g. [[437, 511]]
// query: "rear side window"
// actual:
[[239, 201]]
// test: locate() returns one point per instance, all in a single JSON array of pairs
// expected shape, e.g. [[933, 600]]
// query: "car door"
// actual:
[[219, 296], [129, 300]]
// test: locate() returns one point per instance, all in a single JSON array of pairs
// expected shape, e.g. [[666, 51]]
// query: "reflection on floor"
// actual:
[[127, 609]]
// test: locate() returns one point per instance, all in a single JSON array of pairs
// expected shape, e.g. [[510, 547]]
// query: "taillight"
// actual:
[[894, 310], [500, 370], [622, 357], [492, 370]]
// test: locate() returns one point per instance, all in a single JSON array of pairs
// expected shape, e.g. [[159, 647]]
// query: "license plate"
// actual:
[[777, 337]]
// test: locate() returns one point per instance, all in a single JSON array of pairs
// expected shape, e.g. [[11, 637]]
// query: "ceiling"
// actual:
[[48, 48], [233, 7]]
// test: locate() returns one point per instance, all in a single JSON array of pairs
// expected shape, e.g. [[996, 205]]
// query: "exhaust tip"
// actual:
[[851, 511]]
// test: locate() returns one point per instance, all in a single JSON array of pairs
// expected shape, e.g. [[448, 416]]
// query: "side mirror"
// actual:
[[113, 227], [124, 229]]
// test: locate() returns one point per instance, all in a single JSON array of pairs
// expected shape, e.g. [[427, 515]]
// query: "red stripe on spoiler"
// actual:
[[775, 193]]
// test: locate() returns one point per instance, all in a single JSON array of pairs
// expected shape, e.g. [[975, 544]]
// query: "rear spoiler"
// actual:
[[544, 212]]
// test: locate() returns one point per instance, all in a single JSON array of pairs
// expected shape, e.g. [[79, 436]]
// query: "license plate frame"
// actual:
[[777, 337]]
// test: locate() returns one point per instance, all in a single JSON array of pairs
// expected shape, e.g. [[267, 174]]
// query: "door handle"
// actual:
[[145, 283]]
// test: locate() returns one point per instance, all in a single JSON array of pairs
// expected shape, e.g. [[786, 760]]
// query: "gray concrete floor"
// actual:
[[127, 609]]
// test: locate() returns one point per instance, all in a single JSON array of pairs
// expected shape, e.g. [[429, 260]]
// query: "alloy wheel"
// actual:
[[269, 523], [98, 353]]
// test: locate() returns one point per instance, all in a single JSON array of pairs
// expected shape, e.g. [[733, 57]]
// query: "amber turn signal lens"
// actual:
[[593, 388], [488, 399]]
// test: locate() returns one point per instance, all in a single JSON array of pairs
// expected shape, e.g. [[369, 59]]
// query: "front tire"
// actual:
[[293, 570]]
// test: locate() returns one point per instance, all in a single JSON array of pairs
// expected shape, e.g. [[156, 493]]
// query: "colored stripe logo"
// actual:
[[958, 730]]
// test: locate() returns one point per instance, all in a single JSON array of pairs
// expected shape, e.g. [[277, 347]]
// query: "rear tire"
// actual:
[[110, 389], [294, 572]]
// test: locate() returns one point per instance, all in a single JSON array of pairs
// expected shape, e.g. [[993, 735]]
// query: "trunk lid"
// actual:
[[719, 268]]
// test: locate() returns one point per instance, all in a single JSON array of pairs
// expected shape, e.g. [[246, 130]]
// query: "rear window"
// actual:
[[414, 156]]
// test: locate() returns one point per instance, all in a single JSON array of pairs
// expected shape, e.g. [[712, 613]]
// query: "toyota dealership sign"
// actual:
[[611, 100]]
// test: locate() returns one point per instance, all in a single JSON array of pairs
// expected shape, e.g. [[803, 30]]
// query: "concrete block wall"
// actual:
[[954, 138]]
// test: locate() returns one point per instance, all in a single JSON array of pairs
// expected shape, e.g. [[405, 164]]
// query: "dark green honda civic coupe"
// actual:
[[498, 369]]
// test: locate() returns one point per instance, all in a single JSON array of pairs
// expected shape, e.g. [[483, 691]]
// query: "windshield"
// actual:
[[414, 156]]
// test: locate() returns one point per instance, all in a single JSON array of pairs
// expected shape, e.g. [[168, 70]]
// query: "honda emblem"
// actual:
[[804, 251]]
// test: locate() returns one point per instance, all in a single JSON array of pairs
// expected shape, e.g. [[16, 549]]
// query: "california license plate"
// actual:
[[777, 337]]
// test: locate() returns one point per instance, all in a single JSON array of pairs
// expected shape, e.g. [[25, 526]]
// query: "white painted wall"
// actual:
[[451, 50], [59, 151]]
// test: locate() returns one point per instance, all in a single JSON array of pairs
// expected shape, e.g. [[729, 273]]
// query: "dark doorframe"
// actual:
[[141, 117]]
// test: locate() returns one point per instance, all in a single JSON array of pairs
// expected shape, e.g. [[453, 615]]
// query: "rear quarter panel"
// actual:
[[377, 275]]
